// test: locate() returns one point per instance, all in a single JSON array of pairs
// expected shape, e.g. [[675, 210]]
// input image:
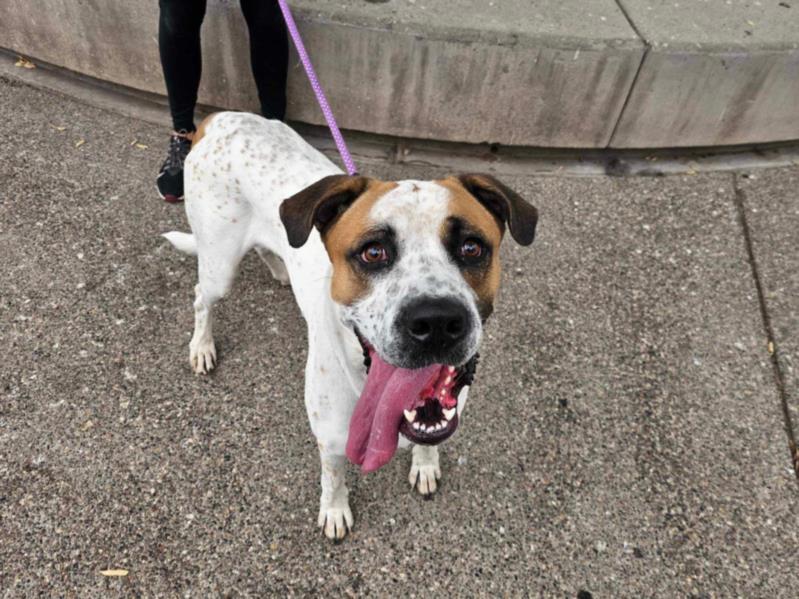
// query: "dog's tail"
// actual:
[[185, 242]]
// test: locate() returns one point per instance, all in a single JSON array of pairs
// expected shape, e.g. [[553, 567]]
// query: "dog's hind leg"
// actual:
[[425, 470], [216, 276], [202, 350], [274, 264]]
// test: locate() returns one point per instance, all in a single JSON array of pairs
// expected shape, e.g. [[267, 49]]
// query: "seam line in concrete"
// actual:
[[627, 16], [637, 72], [779, 378], [630, 91]]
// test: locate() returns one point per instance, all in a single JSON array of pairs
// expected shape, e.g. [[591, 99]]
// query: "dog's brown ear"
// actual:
[[319, 205], [507, 205]]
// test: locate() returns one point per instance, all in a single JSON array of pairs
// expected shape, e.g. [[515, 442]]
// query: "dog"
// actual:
[[394, 279]]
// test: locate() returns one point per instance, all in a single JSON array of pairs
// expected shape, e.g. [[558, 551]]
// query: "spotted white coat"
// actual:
[[235, 177]]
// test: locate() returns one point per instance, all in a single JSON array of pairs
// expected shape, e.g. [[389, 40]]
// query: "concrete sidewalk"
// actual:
[[625, 436]]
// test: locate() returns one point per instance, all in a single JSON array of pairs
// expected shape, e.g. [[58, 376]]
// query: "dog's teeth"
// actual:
[[451, 369], [440, 425], [448, 380], [410, 415], [450, 414], [416, 426]]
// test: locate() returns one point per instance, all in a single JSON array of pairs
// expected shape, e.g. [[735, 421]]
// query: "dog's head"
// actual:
[[416, 271]]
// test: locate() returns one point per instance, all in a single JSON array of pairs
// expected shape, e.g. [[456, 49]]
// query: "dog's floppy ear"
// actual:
[[507, 205], [318, 205]]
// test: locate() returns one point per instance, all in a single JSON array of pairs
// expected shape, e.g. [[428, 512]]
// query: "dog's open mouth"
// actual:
[[434, 416], [421, 404]]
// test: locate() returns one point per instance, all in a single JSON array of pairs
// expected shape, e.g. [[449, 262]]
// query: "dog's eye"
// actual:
[[373, 253], [471, 248]]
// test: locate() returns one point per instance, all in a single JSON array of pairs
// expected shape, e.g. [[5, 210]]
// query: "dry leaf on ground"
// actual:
[[79, 143], [24, 63]]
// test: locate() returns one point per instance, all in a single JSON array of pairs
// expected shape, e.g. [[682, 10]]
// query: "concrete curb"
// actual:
[[371, 149], [621, 76]]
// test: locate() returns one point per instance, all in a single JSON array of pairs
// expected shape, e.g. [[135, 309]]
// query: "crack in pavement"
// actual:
[[773, 348]]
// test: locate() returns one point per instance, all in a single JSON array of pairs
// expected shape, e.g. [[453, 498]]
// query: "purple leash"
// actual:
[[317, 88]]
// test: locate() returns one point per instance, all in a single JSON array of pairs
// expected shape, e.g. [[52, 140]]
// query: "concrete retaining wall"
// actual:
[[711, 99], [715, 73], [551, 73]]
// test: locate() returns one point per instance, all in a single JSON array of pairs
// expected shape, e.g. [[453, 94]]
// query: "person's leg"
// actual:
[[269, 53], [179, 25]]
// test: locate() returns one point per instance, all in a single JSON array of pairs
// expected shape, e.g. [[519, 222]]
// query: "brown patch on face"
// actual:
[[349, 284], [464, 206], [200, 132]]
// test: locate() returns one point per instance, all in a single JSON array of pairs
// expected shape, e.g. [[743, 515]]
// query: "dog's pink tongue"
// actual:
[[374, 427]]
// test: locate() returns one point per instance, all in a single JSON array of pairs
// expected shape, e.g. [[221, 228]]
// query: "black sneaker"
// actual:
[[170, 178]]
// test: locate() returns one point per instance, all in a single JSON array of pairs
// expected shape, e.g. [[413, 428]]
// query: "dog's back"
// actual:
[[240, 169]]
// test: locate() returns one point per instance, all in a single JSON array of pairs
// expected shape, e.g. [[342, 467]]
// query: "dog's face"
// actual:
[[415, 263]]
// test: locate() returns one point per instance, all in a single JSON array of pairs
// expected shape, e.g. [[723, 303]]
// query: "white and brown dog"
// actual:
[[393, 278]]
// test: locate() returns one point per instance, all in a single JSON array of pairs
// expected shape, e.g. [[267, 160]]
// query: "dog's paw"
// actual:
[[424, 472], [202, 356], [336, 520]]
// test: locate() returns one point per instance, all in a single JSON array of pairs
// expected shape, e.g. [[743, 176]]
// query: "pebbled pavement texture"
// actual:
[[624, 438]]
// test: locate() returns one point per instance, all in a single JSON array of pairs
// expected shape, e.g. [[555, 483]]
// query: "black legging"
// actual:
[[181, 58]]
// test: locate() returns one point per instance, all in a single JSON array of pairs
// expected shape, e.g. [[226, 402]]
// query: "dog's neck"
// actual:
[[350, 352]]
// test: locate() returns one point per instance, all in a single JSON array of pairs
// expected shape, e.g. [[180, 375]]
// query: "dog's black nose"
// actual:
[[436, 323]]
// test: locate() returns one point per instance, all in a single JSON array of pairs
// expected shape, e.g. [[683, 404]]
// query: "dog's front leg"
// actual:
[[335, 516], [424, 469]]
